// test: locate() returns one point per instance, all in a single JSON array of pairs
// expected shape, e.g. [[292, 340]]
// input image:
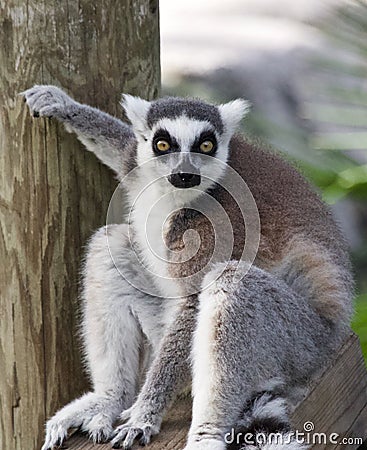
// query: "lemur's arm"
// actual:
[[169, 374], [102, 134]]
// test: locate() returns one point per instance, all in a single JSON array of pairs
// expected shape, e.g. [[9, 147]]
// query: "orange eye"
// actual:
[[163, 146], [206, 146]]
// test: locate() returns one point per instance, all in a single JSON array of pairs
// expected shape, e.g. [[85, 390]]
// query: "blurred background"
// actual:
[[303, 66]]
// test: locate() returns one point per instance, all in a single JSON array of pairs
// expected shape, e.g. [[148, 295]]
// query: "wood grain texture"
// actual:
[[53, 193], [336, 403]]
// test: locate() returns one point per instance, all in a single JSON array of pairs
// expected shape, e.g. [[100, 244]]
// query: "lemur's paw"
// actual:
[[140, 426], [46, 101], [99, 428], [92, 413], [56, 433]]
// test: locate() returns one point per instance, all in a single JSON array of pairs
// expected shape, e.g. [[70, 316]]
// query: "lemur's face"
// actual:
[[186, 140]]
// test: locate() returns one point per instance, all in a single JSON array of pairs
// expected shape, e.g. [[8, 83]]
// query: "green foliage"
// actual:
[[351, 181], [342, 101], [359, 324], [344, 107]]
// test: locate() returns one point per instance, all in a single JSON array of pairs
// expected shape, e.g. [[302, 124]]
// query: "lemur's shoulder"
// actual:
[[283, 195], [268, 173]]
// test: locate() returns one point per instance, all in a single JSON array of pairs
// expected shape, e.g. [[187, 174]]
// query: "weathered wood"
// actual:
[[336, 403], [54, 194]]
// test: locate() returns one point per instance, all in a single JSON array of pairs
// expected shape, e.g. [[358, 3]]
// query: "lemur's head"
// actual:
[[186, 137]]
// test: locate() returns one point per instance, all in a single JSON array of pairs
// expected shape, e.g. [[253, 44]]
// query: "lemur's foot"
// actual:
[[140, 425], [92, 413], [47, 101]]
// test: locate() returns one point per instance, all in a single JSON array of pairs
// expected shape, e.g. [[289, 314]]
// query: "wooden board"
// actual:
[[338, 400], [336, 403]]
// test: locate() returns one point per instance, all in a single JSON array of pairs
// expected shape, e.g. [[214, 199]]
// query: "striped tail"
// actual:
[[266, 426]]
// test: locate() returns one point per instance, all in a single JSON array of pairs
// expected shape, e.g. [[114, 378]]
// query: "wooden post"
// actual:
[[53, 193]]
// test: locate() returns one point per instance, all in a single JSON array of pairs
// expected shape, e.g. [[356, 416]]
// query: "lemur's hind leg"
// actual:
[[246, 336], [112, 337]]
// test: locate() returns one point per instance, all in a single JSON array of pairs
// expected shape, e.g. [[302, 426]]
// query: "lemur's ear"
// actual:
[[232, 113], [136, 111]]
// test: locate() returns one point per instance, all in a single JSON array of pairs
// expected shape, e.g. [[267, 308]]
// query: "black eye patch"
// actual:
[[205, 136], [163, 135]]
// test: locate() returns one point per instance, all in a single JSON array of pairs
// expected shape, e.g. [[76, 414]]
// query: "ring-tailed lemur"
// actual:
[[248, 346]]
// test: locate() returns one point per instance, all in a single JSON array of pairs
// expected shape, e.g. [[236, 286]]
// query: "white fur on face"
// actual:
[[185, 131]]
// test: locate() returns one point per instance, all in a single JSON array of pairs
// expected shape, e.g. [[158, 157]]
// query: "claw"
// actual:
[[147, 434], [119, 435], [132, 434], [125, 436]]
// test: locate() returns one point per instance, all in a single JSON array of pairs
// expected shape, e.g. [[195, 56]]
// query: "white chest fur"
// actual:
[[149, 219]]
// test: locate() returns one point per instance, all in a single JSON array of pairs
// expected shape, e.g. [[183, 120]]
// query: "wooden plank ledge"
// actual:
[[336, 403]]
